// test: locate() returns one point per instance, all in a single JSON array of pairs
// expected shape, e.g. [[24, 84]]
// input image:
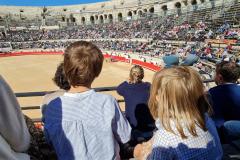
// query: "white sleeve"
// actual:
[[121, 127]]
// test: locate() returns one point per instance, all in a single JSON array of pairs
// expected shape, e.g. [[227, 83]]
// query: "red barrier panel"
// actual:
[[146, 65], [107, 55], [29, 53], [122, 59], [134, 61], [117, 58]]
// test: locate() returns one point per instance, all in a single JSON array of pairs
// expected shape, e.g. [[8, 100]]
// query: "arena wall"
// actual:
[[104, 12]]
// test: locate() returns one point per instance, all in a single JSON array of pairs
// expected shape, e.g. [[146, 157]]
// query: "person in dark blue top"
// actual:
[[136, 95], [225, 97]]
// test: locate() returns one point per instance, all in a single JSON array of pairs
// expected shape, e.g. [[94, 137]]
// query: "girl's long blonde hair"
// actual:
[[177, 95]]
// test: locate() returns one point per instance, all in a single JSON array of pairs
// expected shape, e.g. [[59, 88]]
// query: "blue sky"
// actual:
[[45, 2]]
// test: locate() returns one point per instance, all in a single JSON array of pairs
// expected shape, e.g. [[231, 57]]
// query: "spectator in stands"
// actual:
[[185, 131], [14, 135], [83, 124], [225, 97], [190, 58], [171, 59], [231, 130], [136, 94], [61, 81]]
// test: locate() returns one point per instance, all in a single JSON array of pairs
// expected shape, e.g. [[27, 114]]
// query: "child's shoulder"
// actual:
[[103, 96]]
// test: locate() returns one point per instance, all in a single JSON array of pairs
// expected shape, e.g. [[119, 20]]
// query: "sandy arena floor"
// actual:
[[35, 72]]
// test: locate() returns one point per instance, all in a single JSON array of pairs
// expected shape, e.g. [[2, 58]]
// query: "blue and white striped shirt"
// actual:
[[86, 126]]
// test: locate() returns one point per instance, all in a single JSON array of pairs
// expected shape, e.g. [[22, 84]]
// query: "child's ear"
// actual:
[[220, 78]]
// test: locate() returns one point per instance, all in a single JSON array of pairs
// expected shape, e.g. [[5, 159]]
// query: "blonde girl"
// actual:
[[185, 131], [136, 94]]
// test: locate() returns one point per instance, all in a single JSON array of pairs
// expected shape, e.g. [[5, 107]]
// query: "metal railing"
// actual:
[[40, 94], [101, 89]]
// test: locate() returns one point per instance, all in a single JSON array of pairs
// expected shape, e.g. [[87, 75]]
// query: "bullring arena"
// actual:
[[34, 73], [174, 122]]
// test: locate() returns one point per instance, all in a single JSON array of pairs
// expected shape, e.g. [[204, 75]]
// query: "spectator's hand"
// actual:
[[141, 151], [137, 151]]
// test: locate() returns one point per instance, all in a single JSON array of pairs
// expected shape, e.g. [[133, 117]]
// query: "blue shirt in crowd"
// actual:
[[190, 60], [225, 102], [171, 60], [85, 126]]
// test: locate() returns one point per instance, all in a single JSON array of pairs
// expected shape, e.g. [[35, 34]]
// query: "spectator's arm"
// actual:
[[121, 89], [12, 124]]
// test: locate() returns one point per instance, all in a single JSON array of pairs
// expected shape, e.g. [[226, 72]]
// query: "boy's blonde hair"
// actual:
[[136, 74], [177, 95]]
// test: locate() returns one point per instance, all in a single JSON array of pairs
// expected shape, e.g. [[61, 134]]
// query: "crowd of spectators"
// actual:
[[151, 28], [5, 45]]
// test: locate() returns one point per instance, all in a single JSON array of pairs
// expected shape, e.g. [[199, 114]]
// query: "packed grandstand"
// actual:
[[158, 35]]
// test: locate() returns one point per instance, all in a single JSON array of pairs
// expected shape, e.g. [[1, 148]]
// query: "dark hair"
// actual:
[[230, 71], [60, 79], [82, 63]]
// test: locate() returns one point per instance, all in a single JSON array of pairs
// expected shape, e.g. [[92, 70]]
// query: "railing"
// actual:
[[39, 94]]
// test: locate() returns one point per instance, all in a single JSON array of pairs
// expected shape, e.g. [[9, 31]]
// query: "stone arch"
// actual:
[[202, 1], [92, 20], [164, 9], [83, 20], [105, 16], [96, 17], [145, 10], [101, 19], [151, 10], [120, 17], [72, 18], [194, 2], [129, 14], [110, 18], [140, 13], [178, 6]]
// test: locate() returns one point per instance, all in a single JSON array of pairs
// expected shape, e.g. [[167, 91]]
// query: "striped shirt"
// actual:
[[86, 126], [167, 146]]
